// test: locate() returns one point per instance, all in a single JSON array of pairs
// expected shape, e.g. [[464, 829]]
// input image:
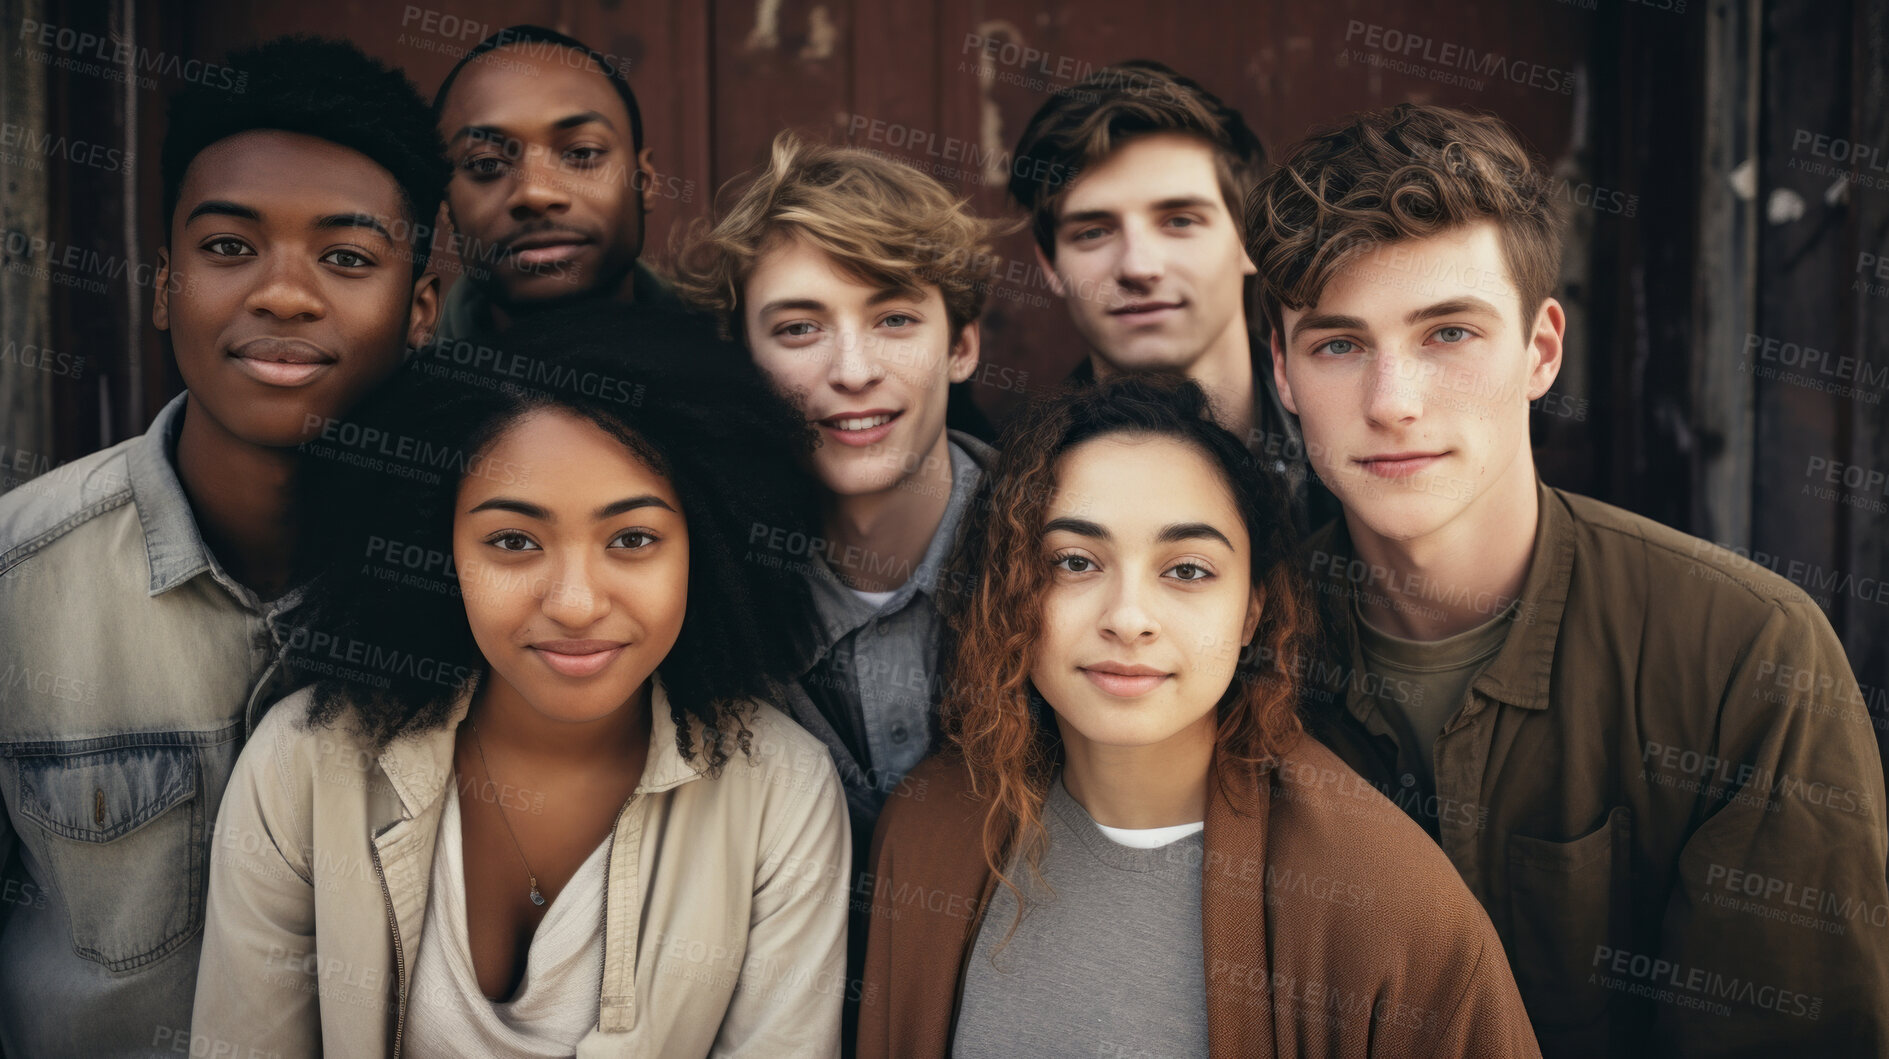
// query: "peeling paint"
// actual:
[[990, 120], [766, 34], [822, 34], [1784, 206], [1744, 180]]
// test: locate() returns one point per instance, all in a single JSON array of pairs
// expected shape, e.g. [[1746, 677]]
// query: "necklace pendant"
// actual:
[[536, 897]]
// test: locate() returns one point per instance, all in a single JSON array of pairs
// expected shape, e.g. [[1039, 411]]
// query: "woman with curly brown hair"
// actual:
[[1131, 848]]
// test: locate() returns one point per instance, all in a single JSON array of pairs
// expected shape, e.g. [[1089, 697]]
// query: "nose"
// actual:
[[540, 186], [855, 365], [1141, 264], [1394, 388], [288, 289], [1125, 616], [573, 599]]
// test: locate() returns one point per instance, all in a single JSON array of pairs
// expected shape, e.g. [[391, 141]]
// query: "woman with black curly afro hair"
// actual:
[[536, 797]]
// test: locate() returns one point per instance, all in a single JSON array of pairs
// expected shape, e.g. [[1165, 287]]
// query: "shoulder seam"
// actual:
[[32, 546]]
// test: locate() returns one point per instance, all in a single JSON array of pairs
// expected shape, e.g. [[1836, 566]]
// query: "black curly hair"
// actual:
[[328, 89], [384, 636]]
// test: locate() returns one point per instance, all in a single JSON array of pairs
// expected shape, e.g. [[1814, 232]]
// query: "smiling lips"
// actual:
[[578, 658], [867, 427], [282, 361], [1399, 464], [1122, 680]]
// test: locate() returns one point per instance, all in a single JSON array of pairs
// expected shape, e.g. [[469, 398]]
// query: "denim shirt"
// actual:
[[132, 667], [870, 683]]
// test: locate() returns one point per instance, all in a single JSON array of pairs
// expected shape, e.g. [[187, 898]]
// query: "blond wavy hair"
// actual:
[[880, 220]]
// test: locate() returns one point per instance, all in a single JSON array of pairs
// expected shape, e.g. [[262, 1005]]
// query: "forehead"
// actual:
[[1146, 169], [522, 91], [1134, 484], [289, 175], [1389, 280], [558, 458], [791, 267]]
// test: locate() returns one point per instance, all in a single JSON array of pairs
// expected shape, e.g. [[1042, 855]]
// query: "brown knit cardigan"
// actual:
[[1364, 943]]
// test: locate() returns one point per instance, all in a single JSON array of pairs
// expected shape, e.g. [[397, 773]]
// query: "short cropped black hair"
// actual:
[[384, 635], [513, 36], [328, 89]]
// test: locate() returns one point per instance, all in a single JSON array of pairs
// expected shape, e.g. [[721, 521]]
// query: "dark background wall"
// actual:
[[1726, 164]]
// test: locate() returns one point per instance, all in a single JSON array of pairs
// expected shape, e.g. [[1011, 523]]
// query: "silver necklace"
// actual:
[[479, 744]]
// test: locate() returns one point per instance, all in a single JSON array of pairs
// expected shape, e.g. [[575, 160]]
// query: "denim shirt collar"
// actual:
[[173, 545], [840, 611]]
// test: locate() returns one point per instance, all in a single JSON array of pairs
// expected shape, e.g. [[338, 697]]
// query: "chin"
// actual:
[[1403, 518], [1166, 355], [862, 476]]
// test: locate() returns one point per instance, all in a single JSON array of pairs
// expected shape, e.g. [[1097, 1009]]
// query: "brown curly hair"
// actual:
[[1406, 172], [991, 712], [882, 221]]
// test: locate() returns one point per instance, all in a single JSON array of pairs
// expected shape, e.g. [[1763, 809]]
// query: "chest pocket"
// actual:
[[1567, 901], [118, 826]]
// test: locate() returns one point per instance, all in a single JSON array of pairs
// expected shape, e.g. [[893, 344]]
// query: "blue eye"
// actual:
[[1462, 334], [1339, 347]]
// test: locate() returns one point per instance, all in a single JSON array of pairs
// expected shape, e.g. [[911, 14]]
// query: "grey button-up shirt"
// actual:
[[132, 667], [871, 678]]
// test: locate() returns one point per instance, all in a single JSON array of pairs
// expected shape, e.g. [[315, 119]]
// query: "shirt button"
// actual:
[[1409, 780], [899, 733]]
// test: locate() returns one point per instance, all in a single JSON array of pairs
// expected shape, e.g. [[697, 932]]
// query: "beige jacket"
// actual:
[[725, 914]]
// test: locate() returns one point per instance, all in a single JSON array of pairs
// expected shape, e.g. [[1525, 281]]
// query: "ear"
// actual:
[[962, 360], [1279, 373], [424, 316], [1255, 606], [1049, 269], [1544, 347], [645, 177], [161, 299]]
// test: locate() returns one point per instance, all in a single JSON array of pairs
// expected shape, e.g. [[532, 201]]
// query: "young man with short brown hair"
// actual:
[[1683, 851]]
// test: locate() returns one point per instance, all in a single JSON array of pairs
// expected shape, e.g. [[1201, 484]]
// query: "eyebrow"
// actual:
[[811, 305], [1338, 322], [222, 208], [1178, 202], [1171, 533], [1175, 532], [582, 117], [533, 511], [225, 208], [1453, 307], [352, 220]]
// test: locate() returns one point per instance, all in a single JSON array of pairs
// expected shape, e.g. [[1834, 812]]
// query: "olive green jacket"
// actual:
[[1665, 790]]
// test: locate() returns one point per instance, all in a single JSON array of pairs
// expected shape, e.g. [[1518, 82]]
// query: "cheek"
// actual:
[[789, 374], [1212, 639]]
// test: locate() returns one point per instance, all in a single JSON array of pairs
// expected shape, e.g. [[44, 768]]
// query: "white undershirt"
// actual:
[[877, 599], [556, 1003], [1149, 837]]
